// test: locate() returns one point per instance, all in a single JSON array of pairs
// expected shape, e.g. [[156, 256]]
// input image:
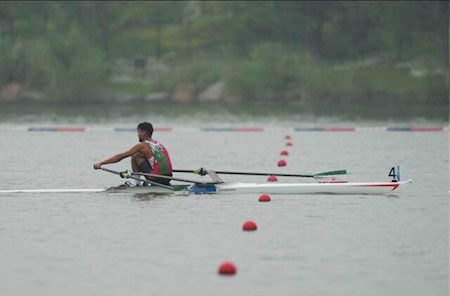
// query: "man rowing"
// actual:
[[149, 156]]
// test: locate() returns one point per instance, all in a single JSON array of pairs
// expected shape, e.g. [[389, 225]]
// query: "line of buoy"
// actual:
[[282, 162], [228, 268]]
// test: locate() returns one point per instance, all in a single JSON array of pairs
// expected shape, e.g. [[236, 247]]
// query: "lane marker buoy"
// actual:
[[284, 152], [272, 178], [249, 226], [227, 268], [264, 198]]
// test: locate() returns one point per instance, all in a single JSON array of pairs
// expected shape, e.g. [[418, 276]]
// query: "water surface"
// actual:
[[122, 244]]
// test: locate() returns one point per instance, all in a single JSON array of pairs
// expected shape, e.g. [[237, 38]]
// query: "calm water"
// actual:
[[119, 244]]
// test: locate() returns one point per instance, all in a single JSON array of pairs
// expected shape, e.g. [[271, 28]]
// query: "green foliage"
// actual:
[[270, 70], [199, 73], [78, 64], [306, 51], [64, 66], [27, 61]]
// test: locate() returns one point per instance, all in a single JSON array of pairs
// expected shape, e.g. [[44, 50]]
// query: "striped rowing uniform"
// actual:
[[160, 160]]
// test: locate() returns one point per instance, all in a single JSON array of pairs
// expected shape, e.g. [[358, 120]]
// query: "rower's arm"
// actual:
[[119, 156]]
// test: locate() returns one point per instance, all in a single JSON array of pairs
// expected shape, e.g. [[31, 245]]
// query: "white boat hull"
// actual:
[[239, 187], [275, 188]]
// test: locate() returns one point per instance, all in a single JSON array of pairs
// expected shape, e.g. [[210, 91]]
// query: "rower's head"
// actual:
[[145, 131]]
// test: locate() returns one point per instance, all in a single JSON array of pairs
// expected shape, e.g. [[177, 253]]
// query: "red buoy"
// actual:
[[249, 226], [287, 137], [284, 152], [264, 198], [272, 178], [281, 163], [289, 143], [227, 268]]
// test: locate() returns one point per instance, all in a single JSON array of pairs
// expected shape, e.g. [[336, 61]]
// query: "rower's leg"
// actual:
[[136, 161]]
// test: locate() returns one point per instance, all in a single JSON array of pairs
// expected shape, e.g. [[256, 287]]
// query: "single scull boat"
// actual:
[[272, 188], [334, 182]]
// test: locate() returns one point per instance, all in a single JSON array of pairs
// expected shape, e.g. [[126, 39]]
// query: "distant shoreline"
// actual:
[[372, 111]]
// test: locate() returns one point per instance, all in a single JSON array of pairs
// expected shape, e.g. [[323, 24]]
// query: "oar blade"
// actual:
[[332, 176]]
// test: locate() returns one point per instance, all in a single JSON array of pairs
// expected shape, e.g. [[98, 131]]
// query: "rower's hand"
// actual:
[[97, 165]]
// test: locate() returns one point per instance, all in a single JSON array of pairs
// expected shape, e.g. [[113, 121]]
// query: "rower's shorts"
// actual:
[[145, 167]]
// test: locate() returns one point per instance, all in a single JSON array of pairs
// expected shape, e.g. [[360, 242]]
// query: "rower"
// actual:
[[148, 156]]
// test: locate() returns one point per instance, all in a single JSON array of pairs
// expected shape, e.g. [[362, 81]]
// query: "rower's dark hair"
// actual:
[[147, 127]]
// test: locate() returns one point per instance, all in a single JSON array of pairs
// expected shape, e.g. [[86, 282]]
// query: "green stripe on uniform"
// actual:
[[159, 156]]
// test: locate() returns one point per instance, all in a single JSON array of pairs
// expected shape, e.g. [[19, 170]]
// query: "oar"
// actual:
[[322, 175], [128, 176]]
